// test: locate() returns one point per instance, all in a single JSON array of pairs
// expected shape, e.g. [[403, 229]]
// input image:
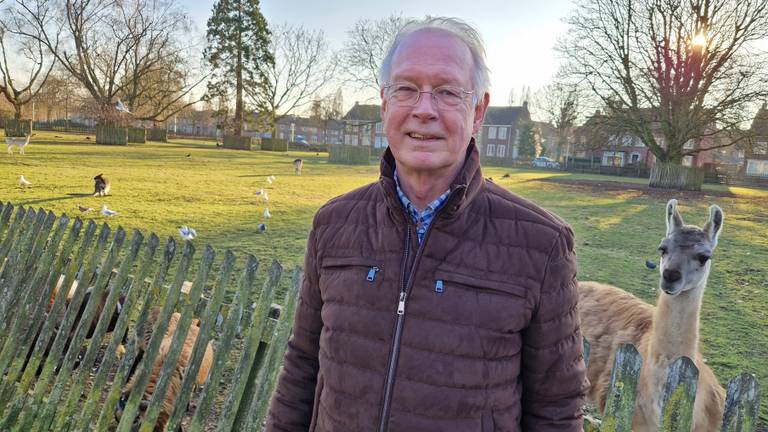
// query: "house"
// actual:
[[756, 157], [363, 126], [313, 130], [499, 136]]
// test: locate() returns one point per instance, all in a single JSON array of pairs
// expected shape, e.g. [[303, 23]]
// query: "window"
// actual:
[[757, 168], [379, 127], [635, 157], [501, 150], [688, 161], [502, 133], [492, 132], [491, 150], [615, 159], [688, 144]]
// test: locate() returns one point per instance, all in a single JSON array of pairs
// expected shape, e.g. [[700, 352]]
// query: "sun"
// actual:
[[699, 40]]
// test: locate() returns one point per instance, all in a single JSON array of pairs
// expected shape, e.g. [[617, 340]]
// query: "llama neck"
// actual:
[[676, 325]]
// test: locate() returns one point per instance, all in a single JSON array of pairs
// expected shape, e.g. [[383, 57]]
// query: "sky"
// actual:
[[519, 35]]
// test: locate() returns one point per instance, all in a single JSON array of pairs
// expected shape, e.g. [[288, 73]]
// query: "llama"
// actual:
[[101, 185], [611, 317], [19, 142], [297, 165], [174, 386]]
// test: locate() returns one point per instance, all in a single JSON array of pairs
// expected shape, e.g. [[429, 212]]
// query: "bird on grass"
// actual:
[[267, 214], [262, 228], [84, 209], [269, 179], [107, 212], [187, 233], [189, 154], [260, 192], [505, 176], [24, 182]]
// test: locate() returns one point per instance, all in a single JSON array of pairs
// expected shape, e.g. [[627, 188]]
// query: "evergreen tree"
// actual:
[[530, 140], [238, 52]]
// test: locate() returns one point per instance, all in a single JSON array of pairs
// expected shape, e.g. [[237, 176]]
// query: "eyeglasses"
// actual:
[[407, 94]]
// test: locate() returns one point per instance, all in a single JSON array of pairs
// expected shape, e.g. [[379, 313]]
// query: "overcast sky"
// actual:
[[519, 35]]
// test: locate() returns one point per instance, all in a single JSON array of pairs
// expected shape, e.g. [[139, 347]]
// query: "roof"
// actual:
[[506, 115], [364, 112], [760, 122]]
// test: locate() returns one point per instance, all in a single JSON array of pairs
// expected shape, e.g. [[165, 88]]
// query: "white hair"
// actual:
[[456, 27]]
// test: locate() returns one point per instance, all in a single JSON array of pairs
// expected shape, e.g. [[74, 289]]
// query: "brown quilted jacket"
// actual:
[[476, 330]]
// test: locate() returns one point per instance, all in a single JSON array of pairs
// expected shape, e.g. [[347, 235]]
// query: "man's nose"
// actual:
[[425, 107]]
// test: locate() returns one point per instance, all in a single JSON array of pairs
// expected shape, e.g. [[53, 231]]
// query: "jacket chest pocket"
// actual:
[[342, 276], [493, 285]]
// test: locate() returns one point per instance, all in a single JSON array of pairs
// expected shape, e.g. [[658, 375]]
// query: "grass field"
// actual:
[[158, 187]]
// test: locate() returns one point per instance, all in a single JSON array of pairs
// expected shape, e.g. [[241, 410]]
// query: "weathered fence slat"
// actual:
[[742, 404], [11, 278], [168, 370], [13, 232], [267, 374], [144, 369], [137, 334], [5, 215], [249, 361], [221, 355], [204, 336], [679, 394], [620, 404]]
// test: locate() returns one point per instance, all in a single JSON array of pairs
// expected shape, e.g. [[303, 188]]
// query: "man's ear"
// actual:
[[383, 108], [480, 110]]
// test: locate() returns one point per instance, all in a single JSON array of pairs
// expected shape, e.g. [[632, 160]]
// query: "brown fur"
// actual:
[[174, 386], [611, 317]]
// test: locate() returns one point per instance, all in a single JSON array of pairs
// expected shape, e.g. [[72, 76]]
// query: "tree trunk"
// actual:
[[16, 111], [239, 85]]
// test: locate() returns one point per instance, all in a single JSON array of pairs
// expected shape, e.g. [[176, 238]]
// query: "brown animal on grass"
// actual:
[[611, 317], [297, 165], [174, 386]]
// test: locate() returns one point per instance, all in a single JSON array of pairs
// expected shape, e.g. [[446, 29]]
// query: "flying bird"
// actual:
[[187, 233], [267, 214], [84, 209], [24, 182], [650, 264], [262, 227], [121, 107], [107, 212]]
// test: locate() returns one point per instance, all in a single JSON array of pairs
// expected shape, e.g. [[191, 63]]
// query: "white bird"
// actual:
[[260, 191], [265, 196], [187, 233], [107, 212], [24, 182], [273, 178], [267, 214], [269, 179], [262, 227], [121, 107]]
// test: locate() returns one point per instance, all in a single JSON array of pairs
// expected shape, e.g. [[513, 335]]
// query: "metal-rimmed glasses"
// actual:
[[408, 95]]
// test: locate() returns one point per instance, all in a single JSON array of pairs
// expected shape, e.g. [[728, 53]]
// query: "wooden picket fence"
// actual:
[[78, 389], [741, 405]]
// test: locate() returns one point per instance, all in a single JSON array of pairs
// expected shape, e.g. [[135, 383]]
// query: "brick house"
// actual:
[[756, 157], [499, 136], [313, 130]]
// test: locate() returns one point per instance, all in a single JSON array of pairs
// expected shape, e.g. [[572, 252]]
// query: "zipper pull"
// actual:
[[439, 286], [372, 274], [401, 304]]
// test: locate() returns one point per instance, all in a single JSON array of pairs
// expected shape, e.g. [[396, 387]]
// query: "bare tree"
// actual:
[[365, 48], [559, 102], [27, 57], [304, 66], [664, 68], [111, 47]]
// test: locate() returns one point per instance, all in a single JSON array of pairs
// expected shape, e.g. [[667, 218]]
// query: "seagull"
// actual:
[[267, 214], [260, 191], [265, 196], [262, 227], [120, 107], [24, 182], [269, 179], [273, 177], [84, 209], [187, 233], [107, 212]]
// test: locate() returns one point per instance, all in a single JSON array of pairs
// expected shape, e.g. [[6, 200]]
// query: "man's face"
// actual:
[[426, 138]]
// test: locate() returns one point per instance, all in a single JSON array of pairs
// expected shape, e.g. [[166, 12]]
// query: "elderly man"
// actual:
[[434, 300]]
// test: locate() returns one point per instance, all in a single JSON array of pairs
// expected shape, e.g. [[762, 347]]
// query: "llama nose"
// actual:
[[671, 275]]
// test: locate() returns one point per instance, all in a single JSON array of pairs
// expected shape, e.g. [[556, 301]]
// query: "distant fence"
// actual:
[[741, 405], [347, 154], [78, 388]]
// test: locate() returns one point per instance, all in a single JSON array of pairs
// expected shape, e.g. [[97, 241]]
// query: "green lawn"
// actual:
[[158, 187]]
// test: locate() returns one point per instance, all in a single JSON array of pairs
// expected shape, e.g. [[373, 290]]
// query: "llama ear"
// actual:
[[714, 224], [674, 220]]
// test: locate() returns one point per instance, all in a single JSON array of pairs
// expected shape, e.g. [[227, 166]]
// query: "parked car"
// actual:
[[544, 162], [300, 142]]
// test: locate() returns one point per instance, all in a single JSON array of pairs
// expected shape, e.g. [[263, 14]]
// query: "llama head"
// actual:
[[686, 250]]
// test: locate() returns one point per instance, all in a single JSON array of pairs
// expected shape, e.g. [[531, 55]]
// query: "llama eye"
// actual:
[[663, 250], [703, 258]]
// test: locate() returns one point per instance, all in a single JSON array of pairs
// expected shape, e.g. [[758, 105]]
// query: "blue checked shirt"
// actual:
[[424, 218]]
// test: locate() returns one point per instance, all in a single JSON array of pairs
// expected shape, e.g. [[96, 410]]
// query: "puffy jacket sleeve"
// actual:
[[554, 380], [293, 400]]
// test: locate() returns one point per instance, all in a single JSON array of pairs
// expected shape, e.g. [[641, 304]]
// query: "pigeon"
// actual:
[[189, 154], [505, 176], [262, 227], [121, 107], [187, 233], [24, 182], [650, 264], [107, 212], [84, 209], [267, 214]]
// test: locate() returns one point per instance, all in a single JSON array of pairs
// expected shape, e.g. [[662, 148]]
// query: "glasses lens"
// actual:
[[404, 94], [448, 96]]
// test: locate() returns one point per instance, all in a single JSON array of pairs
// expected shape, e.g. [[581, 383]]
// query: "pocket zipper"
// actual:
[[372, 274]]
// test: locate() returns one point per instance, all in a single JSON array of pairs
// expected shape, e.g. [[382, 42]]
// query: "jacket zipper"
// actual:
[[390, 382]]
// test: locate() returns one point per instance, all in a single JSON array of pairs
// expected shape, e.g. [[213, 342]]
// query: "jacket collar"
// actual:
[[464, 188]]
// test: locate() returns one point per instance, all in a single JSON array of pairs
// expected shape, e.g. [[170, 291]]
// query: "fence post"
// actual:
[[742, 404], [679, 394], [620, 404]]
